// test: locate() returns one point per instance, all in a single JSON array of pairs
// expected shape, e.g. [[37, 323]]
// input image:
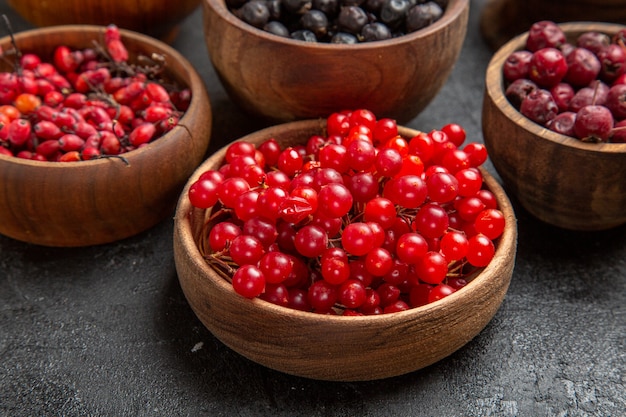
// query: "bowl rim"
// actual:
[[494, 85], [452, 13], [505, 247], [195, 84]]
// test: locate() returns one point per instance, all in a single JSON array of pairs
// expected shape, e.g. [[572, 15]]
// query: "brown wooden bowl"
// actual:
[[560, 180], [282, 79], [100, 201], [157, 18], [502, 20], [336, 348]]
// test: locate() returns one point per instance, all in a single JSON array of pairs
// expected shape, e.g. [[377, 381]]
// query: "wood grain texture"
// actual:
[[283, 79], [558, 179], [336, 348], [502, 20], [157, 18], [100, 201]]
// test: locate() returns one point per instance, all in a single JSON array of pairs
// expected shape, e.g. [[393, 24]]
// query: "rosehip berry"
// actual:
[[593, 124]]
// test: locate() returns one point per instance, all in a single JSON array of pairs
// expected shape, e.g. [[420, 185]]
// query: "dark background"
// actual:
[[106, 330]]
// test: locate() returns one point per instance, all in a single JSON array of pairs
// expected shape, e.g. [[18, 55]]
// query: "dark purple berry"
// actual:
[[329, 7], [619, 132], [516, 65], [255, 13], [344, 38], [563, 123], [593, 41], [422, 15], [562, 94], [612, 62], [375, 31], [544, 34], [593, 123], [394, 12], [582, 67], [616, 101], [276, 28], [303, 35], [539, 106], [315, 21], [517, 91], [297, 6], [547, 67], [352, 19]]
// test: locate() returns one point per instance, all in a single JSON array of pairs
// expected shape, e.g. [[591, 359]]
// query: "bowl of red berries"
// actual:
[[347, 248], [554, 122], [301, 59], [99, 130]]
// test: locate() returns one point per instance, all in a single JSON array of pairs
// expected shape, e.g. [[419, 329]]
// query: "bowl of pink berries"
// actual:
[[301, 59], [554, 122], [99, 130], [347, 248]]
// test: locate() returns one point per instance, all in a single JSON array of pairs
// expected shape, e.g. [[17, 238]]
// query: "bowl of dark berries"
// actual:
[[347, 248], [300, 59], [554, 122], [99, 130]]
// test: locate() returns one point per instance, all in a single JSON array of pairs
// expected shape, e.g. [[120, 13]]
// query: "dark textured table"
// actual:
[[106, 330]]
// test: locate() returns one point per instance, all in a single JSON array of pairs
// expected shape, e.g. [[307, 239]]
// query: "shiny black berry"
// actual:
[[315, 21], [352, 19], [375, 31], [393, 13], [297, 6], [329, 7], [303, 35], [422, 15], [344, 38], [276, 28], [255, 13]]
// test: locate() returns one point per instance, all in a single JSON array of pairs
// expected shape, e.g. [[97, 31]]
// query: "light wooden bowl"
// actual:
[[100, 201], [336, 348], [157, 18], [281, 79], [502, 20], [560, 180]]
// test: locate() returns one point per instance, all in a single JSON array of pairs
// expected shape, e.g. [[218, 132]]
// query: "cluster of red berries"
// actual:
[[85, 103], [356, 221], [576, 89]]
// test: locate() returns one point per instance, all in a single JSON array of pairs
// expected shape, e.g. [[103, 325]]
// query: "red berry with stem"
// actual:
[[322, 296], [311, 241], [593, 123], [357, 238], [248, 281], [246, 250], [480, 250], [440, 291]]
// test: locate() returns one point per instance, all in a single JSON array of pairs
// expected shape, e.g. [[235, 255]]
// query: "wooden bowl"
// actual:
[[281, 79], [157, 18], [560, 180], [336, 348], [99, 201], [502, 20]]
